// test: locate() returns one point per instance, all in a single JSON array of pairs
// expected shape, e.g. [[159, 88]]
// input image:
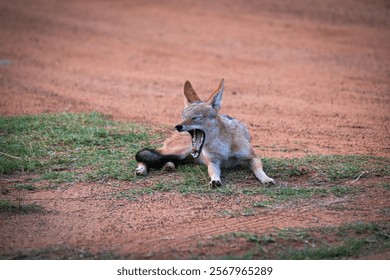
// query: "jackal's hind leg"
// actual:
[[256, 166]]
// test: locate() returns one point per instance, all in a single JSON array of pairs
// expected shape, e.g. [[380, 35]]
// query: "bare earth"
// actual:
[[307, 77]]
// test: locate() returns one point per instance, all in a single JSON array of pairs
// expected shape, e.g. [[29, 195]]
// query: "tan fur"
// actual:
[[215, 91], [179, 143], [190, 92], [227, 141]]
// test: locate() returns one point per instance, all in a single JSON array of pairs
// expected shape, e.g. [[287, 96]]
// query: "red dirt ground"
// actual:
[[307, 77]]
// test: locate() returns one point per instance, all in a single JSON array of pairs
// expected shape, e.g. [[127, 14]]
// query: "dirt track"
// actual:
[[306, 78]]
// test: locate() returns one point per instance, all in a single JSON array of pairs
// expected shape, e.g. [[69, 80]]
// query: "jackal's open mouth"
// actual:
[[198, 138]]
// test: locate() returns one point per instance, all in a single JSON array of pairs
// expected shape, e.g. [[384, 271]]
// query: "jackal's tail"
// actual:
[[154, 159]]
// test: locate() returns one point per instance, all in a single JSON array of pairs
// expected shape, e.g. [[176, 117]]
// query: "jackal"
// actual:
[[217, 140]]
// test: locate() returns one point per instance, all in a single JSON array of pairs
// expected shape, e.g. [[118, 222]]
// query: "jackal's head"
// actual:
[[200, 117]]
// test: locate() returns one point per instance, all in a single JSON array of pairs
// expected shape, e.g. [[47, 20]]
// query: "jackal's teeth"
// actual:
[[197, 139], [195, 154]]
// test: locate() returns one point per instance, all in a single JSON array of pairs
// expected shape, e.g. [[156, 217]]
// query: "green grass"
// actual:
[[386, 186], [262, 204], [59, 253], [351, 241], [347, 241], [8, 207], [27, 187], [330, 167], [67, 147], [286, 193], [58, 176], [341, 191]]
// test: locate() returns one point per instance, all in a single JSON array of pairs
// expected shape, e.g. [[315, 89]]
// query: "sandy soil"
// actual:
[[307, 77]]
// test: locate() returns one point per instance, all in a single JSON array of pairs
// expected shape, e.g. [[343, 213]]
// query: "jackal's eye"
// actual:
[[196, 118]]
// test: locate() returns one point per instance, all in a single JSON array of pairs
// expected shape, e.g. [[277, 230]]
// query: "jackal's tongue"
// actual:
[[198, 138]]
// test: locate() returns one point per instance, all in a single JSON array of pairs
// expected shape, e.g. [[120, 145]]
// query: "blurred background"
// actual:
[[306, 76]]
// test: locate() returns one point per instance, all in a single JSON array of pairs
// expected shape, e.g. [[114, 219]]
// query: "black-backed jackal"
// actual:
[[217, 140]]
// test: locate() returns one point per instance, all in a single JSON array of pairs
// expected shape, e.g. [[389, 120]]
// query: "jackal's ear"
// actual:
[[189, 94], [215, 98]]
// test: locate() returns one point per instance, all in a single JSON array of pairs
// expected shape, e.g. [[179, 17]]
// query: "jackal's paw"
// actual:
[[215, 184], [268, 181], [141, 170], [169, 166]]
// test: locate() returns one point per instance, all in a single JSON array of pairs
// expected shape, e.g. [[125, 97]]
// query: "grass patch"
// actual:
[[59, 146], [59, 253], [58, 177], [26, 187], [349, 248], [285, 193], [386, 186], [347, 241], [8, 207], [341, 191], [331, 167], [262, 204]]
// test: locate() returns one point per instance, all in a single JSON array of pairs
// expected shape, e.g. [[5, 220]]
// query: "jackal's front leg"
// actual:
[[256, 166], [214, 171]]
